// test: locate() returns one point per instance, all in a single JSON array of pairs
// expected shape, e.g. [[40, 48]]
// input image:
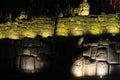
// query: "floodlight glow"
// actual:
[[77, 68]]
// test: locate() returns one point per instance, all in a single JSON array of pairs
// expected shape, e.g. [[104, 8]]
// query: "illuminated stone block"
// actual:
[[82, 67], [33, 52], [30, 58], [26, 52], [89, 68], [27, 63], [39, 63], [101, 54], [29, 51], [78, 68], [112, 56], [87, 53], [102, 69], [93, 52], [62, 30]]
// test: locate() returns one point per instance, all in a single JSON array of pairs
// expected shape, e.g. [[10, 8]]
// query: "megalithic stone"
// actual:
[[102, 54], [112, 56], [27, 63], [93, 52], [102, 69]]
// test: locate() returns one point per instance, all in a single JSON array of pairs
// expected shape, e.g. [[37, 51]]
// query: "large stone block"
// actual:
[[112, 56], [102, 69], [90, 68], [87, 53], [27, 63], [33, 51], [93, 52], [102, 54]]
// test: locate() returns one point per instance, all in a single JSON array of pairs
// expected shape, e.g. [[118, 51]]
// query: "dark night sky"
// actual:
[[15, 6]]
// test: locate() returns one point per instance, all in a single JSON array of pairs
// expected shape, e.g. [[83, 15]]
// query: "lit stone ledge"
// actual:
[[92, 24], [17, 30], [65, 26]]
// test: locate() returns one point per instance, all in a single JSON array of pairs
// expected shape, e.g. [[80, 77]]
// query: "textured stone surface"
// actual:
[[102, 69], [65, 26], [102, 54], [100, 59], [112, 56], [29, 60], [27, 63]]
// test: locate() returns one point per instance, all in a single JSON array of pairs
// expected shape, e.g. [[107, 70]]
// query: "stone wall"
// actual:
[[94, 25], [64, 26]]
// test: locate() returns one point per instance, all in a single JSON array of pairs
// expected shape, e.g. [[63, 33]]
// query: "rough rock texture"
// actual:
[[94, 25], [65, 26], [101, 59]]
